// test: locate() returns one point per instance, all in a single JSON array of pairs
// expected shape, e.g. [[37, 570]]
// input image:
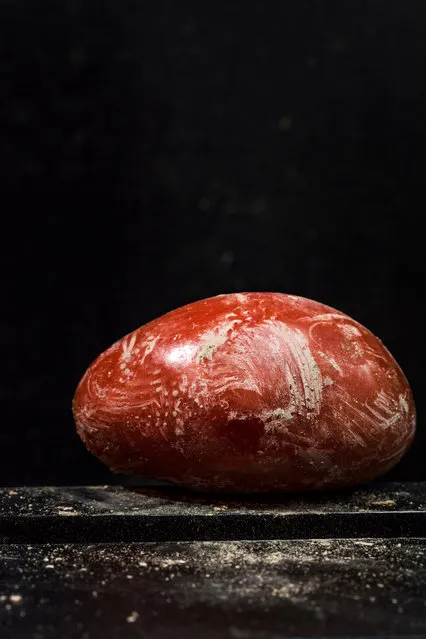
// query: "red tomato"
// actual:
[[248, 392]]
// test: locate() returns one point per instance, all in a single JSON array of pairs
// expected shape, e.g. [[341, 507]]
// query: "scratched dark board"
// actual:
[[109, 562]]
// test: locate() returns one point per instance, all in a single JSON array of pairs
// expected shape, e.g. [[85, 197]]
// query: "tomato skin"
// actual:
[[248, 392]]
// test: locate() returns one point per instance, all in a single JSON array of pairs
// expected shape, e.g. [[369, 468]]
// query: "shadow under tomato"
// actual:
[[294, 500]]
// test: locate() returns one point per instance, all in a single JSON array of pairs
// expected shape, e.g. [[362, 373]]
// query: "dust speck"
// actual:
[[133, 617]]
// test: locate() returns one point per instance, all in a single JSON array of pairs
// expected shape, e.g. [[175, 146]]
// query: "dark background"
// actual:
[[156, 153]]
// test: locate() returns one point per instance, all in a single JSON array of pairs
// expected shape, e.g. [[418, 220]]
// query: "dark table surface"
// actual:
[[160, 562]]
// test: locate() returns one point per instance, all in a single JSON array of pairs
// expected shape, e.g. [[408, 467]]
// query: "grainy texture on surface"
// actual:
[[248, 392], [114, 514], [235, 589], [65, 579]]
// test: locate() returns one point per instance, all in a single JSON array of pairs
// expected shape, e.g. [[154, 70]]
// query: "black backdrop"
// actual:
[[156, 153]]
